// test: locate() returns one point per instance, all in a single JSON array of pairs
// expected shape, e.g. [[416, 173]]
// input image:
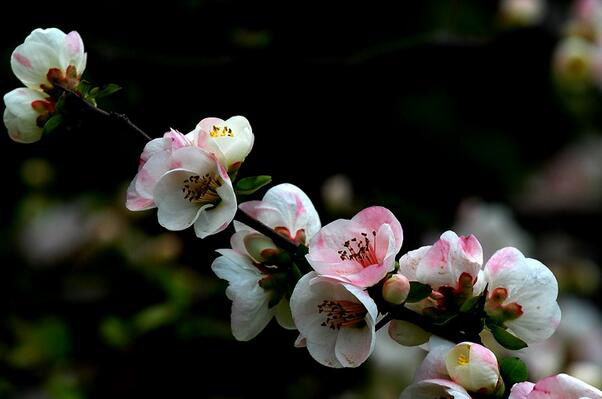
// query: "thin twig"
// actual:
[[110, 114]]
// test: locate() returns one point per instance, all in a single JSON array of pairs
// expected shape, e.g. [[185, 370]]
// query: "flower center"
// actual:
[[68, 79], [462, 360], [221, 131], [495, 308], [202, 189], [360, 250], [342, 313]]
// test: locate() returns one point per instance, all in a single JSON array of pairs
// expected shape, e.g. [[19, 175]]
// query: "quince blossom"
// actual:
[[561, 386], [360, 251], [451, 266], [252, 309], [336, 321], [230, 140], [288, 210], [522, 295], [47, 57], [26, 113], [455, 370], [187, 185]]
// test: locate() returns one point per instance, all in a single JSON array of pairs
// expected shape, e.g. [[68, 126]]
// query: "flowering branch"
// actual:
[[328, 282]]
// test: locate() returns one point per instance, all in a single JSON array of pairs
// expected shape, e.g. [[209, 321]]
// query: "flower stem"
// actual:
[[110, 114]]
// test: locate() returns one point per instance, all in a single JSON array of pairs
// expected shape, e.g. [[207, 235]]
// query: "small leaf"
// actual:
[[506, 339], [418, 292], [84, 87], [60, 104], [52, 123], [105, 91], [513, 370], [249, 185], [469, 304]]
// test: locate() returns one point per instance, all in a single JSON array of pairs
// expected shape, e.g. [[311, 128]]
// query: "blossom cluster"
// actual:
[[48, 58], [340, 282]]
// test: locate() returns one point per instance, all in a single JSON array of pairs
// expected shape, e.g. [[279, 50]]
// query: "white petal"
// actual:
[[250, 312], [530, 284], [355, 344], [213, 220], [40, 51], [174, 211], [434, 389], [283, 314], [433, 365], [72, 52], [20, 118], [409, 262], [297, 210]]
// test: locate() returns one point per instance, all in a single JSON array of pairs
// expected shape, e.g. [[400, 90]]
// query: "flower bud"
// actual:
[[396, 289], [474, 367], [261, 248], [407, 334], [522, 12]]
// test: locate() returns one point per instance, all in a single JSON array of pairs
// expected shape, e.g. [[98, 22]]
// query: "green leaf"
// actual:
[[52, 123], [513, 370], [506, 339], [469, 304], [249, 185], [153, 317], [60, 104], [84, 87], [105, 91], [418, 292]]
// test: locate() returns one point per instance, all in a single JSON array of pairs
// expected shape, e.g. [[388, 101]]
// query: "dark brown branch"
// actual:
[[452, 334], [110, 114]]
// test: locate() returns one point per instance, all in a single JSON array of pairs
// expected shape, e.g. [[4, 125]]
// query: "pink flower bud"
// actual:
[[396, 289]]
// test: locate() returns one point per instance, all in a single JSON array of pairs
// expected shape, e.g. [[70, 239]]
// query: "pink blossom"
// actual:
[[561, 386], [336, 321], [522, 295], [360, 251], [288, 210], [187, 185]]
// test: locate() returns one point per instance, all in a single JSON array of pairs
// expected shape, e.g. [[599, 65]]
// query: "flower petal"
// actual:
[[20, 118], [40, 51], [374, 217], [174, 211], [354, 345], [250, 311], [213, 220], [434, 389], [530, 284]]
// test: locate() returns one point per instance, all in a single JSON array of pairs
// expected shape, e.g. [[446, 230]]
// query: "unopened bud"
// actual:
[[407, 334], [261, 248], [396, 289], [474, 367]]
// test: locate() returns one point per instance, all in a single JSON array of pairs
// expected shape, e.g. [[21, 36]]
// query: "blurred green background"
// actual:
[[454, 114]]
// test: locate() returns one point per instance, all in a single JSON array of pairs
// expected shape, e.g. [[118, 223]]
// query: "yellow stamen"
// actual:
[[202, 189], [463, 360], [217, 131]]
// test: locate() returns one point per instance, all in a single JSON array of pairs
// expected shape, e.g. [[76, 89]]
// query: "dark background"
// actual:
[[421, 105]]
